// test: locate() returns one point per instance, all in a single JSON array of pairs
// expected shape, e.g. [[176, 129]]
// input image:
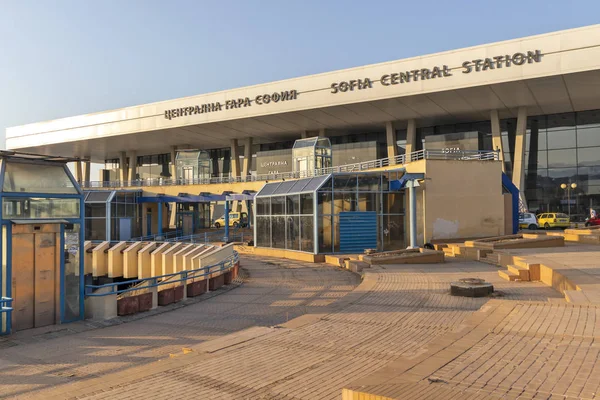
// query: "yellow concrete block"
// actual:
[[178, 257], [156, 259], [508, 276], [168, 258], [87, 258], [100, 259], [115, 260], [521, 272], [144, 265], [130, 260], [187, 264]]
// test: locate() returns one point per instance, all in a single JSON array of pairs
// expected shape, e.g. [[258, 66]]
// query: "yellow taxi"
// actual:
[[236, 219], [553, 220]]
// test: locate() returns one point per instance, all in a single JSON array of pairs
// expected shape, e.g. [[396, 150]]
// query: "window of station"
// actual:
[[154, 166]]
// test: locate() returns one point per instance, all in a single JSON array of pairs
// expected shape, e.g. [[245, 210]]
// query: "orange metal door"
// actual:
[[45, 278], [23, 281]]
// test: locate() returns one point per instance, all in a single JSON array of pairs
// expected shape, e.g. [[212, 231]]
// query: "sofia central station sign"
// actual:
[[443, 71]]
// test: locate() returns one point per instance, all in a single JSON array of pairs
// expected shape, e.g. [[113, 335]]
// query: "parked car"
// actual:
[[528, 221], [592, 222], [236, 219], [553, 220]]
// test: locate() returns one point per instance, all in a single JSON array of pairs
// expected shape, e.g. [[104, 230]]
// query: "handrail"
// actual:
[[445, 154], [158, 236], [226, 264], [5, 306]]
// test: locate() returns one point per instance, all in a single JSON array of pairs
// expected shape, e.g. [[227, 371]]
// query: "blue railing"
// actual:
[[5, 307], [158, 237], [235, 235], [156, 281]]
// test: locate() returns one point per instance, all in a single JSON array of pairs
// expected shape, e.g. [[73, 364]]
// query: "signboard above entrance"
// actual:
[[443, 71]]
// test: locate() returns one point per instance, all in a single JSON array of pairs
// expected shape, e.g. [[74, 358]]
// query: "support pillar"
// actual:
[[160, 217], [122, 166], [226, 237], [87, 165], [392, 148], [235, 159], [497, 136], [411, 139], [78, 172], [173, 170], [413, 212], [132, 166], [247, 165], [304, 135], [518, 175], [322, 132]]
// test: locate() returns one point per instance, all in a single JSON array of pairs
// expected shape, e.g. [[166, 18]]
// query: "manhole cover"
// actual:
[[471, 287]]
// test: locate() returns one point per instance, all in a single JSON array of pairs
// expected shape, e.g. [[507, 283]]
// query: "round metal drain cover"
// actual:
[[471, 287]]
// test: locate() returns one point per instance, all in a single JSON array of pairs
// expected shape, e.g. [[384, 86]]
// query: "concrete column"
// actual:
[[497, 136], [78, 171], [235, 159], [518, 175], [173, 163], [322, 132], [132, 165], [247, 157], [304, 135], [411, 138], [392, 148], [87, 171], [122, 166]]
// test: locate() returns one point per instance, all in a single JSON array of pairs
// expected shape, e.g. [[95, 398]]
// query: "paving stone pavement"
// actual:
[[276, 291], [400, 320]]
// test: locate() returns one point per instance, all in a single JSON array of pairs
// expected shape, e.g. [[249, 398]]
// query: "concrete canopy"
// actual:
[[565, 77]]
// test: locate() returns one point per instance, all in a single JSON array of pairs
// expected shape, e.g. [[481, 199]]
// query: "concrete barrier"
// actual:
[[130, 260], [178, 257], [87, 258], [101, 307], [144, 265], [115, 260], [168, 258], [414, 256], [100, 259], [156, 259]]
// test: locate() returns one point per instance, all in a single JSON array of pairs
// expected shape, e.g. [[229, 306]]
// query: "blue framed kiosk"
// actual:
[[41, 279]]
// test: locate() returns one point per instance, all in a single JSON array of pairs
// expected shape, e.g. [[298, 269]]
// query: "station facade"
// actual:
[[534, 100]]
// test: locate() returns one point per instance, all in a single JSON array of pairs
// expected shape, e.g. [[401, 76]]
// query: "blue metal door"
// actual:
[[358, 231]]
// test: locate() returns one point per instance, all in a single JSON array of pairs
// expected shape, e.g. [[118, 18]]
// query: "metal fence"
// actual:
[[6, 308], [449, 154], [147, 283]]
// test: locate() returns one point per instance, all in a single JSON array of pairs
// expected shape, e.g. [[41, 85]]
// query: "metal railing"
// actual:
[[6, 307], [158, 237], [235, 235], [447, 154], [133, 285]]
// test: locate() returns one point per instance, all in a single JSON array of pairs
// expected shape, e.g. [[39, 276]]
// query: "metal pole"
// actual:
[[226, 237], [413, 214], [160, 218]]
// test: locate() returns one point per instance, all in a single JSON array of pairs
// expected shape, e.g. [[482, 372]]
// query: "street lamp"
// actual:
[[568, 188]]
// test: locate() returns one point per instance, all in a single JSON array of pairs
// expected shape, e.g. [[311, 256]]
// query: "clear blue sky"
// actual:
[[66, 57]]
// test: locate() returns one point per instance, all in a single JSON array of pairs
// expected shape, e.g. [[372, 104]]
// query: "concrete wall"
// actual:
[[463, 199]]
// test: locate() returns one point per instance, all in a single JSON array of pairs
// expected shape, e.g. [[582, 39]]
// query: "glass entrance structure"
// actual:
[[309, 214], [41, 279], [193, 166], [112, 215], [310, 155]]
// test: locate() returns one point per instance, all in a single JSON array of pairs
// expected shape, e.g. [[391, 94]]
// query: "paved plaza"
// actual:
[[303, 331]]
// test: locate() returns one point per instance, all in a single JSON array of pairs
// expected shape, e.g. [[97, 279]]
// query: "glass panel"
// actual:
[[588, 175], [263, 231], [98, 197], [393, 203], [588, 137], [315, 183], [292, 225], [368, 183], [344, 183], [284, 187], [368, 202], [336, 234], [269, 188], [37, 178], [72, 272], [562, 158], [293, 204], [393, 232], [561, 139], [278, 205], [95, 229], [325, 234], [344, 201], [278, 232], [306, 203], [324, 202], [32, 208], [263, 206], [562, 173], [560, 121], [307, 231], [589, 156], [299, 186]]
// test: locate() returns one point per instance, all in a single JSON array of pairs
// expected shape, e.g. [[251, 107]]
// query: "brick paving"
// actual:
[[398, 334]]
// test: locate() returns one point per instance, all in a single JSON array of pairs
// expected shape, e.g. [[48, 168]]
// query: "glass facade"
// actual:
[[287, 213], [123, 209], [154, 166]]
